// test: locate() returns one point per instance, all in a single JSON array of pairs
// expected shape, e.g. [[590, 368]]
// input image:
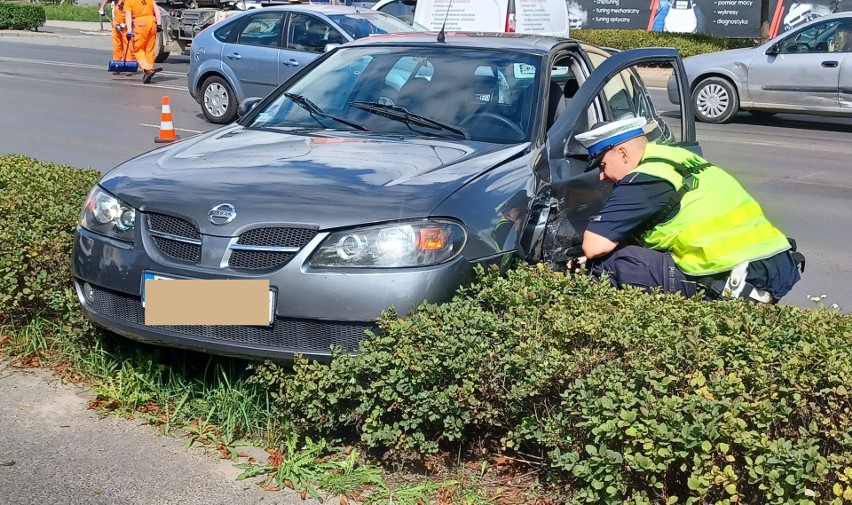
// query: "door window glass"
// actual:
[[830, 36], [262, 29], [311, 34], [223, 33], [623, 97]]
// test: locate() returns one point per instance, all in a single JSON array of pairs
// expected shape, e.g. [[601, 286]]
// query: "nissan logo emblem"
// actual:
[[221, 214]]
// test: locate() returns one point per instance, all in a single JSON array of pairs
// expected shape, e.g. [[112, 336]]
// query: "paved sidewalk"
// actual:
[[54, 449]]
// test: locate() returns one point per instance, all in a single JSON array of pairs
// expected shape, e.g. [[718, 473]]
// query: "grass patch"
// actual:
[[68, 12]]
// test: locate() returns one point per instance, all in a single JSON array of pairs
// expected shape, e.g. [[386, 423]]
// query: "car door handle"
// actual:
[[291, 63], [829, 64], [235, 56]]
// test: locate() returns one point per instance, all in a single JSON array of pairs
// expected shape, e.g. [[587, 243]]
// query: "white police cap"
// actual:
[[607, 134]]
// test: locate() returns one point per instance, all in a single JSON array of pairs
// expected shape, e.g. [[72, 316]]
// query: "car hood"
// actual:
[[317, 180], [723, 59]]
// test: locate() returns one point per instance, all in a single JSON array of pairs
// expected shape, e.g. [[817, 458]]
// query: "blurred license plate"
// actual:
[[146, 276]]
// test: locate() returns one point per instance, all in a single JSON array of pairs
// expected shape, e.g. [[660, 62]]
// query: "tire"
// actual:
[[715, 100], [218, 102], [160, 50]]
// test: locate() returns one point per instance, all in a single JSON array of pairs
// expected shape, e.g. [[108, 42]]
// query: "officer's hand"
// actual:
[[101, 13], [575, 265], [159, 28], [129, 35]]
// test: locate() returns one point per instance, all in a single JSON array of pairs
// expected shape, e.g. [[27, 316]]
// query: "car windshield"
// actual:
[[363, 24], [471, 93]]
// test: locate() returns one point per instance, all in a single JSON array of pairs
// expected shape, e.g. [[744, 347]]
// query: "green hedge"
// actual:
[[687, 44], [39, 205], [21, 16], [623, 397]]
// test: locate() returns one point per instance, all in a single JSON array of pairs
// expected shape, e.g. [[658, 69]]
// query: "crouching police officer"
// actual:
[[698, 228]]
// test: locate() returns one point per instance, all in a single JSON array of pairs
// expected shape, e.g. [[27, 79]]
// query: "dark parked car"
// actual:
[[378, 176], [802, 71], [251, 53]]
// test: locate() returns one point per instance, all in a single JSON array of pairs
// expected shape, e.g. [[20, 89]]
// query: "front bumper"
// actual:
[[315, 309]]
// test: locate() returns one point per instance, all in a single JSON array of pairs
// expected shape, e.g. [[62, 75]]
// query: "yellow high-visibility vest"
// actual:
[[719, 225]]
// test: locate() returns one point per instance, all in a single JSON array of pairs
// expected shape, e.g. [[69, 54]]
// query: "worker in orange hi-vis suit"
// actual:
[[120, 44], [143, 20]]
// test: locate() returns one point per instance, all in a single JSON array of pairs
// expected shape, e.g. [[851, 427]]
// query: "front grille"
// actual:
[[295, 335], [280, 237], [258, 260], [268, 248], [176, 238]]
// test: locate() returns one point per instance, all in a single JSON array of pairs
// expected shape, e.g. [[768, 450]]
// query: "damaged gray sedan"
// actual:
[[378, 176]]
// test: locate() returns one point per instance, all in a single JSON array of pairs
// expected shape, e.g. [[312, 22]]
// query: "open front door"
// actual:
[[613, 91]]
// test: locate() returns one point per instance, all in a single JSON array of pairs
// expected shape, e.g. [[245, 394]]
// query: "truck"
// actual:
[[184, 19]]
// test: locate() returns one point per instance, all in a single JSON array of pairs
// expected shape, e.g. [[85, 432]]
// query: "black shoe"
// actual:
[[146, 77]]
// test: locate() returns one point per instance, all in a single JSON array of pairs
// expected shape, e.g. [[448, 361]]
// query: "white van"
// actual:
[[540, 17]]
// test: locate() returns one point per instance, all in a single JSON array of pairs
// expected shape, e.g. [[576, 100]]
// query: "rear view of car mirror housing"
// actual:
[[247, 105], [772, 50]]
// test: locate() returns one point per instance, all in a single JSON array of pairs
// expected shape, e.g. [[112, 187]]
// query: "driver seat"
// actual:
[[555, 103]]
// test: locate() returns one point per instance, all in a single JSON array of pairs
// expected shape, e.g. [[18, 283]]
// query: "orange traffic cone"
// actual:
[[167, 128]]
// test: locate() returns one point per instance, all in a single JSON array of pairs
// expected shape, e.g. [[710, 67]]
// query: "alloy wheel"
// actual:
[[216, 99]]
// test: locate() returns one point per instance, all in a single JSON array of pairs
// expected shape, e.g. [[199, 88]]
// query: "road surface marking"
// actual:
[[176, 129], [76, 65]]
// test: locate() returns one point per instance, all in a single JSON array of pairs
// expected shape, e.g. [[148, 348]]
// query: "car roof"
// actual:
[[512, 41]]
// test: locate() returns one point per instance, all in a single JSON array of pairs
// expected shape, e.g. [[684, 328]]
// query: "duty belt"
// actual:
[[734, 285]]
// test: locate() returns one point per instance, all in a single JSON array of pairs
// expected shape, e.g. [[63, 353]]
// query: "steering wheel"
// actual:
[[799, 47], [495, 118]]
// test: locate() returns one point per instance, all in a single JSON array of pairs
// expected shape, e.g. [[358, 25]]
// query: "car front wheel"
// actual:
[[218, 101], [715, 100]]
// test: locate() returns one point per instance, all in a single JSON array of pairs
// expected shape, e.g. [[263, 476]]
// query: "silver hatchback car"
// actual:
[[251, 53], [806, 70]]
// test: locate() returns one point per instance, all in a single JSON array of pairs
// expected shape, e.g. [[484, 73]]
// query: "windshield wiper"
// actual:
[[314, 109], [402, 114]]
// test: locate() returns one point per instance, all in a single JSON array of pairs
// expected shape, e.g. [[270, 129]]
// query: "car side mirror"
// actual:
[[329, 47], [772, 50], [247, 105]]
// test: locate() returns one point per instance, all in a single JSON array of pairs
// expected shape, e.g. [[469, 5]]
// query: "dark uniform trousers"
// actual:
[[638, 266], [647, 269]]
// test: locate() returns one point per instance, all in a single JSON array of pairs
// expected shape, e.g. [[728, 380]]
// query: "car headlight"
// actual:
[[105, 214], [393, 245]]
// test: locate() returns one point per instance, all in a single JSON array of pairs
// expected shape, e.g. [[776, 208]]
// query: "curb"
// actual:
[[89, 34]]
